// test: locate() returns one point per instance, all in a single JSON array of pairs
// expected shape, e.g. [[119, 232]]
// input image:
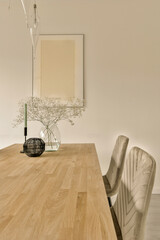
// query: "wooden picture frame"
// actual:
[[58, 66]]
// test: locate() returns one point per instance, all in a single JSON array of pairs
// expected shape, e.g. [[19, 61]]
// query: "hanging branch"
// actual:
[[25, 12], [9, 5], [32, 21]]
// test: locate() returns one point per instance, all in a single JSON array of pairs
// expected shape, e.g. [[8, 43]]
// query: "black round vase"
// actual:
[[34, 147]]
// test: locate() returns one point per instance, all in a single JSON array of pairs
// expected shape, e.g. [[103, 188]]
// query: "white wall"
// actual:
[[121, 78]]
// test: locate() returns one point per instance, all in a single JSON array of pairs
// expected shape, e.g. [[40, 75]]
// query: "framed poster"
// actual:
[[58, 66]]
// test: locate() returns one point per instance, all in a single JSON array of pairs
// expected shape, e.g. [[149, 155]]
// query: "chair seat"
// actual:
[[116, 225]]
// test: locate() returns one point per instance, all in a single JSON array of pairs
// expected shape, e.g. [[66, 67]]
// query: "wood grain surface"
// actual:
[[57, 196]]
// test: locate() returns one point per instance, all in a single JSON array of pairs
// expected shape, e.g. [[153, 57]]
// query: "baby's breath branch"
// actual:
[[49, 110]]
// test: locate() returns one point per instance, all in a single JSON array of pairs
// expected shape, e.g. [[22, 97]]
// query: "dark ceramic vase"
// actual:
[[34, 147]]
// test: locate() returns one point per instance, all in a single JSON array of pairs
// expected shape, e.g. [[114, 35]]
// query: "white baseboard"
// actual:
[[156, 190]]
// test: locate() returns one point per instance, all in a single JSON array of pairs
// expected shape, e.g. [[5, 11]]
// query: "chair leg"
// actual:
[[109, 201]]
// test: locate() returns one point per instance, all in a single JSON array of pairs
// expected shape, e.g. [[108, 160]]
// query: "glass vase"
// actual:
[[51, 137]]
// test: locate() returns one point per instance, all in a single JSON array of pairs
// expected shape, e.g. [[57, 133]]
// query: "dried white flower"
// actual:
[[49, 110]]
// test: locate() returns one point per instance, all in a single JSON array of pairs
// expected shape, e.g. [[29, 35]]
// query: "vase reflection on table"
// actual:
[[51, 137]]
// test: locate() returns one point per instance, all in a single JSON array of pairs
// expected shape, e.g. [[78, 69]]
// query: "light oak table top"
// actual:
[[57, 196]]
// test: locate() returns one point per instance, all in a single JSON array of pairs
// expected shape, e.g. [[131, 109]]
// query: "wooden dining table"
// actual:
[[57, 196]]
